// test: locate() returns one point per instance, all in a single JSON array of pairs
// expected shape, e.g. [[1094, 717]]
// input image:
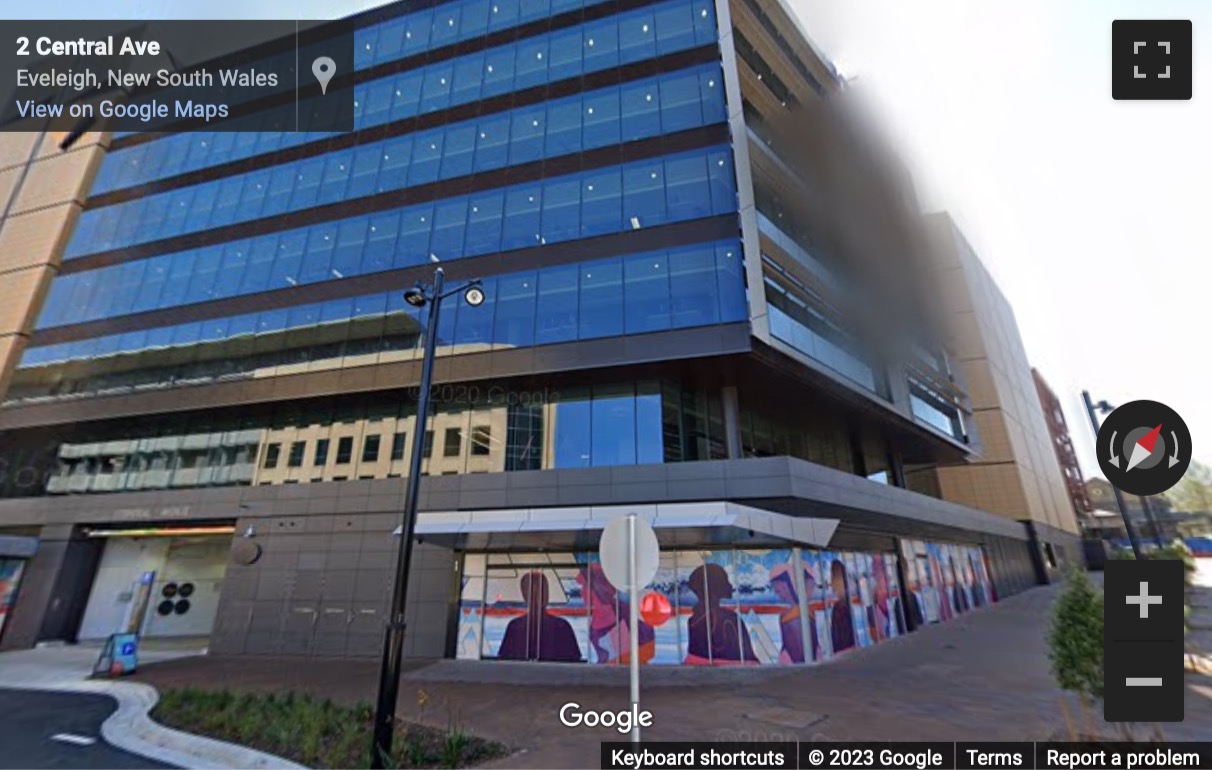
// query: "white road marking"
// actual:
[[76, 740]]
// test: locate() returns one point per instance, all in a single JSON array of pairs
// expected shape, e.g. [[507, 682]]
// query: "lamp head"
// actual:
[[474, 296], [416, 297]]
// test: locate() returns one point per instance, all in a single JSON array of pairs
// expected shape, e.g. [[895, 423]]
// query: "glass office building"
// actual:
[[674, 326]]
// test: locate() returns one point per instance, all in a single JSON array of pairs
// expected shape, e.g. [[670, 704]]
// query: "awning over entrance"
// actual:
[[676, 524]]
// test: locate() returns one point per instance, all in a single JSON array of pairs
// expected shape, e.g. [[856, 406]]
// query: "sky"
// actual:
[[1093, 215]]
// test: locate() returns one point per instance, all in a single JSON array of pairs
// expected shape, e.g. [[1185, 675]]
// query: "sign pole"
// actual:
[[633, 627]]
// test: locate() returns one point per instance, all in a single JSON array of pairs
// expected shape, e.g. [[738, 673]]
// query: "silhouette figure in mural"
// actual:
[[609, 611], [717, 636], [887, 620], [782, 583], [979, 597], [539, 635], [841, 627]]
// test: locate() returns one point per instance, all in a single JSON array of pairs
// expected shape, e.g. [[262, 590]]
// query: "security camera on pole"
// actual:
[[630, 553]]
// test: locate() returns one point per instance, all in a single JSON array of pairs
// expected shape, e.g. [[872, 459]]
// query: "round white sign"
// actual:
[[614, 546]]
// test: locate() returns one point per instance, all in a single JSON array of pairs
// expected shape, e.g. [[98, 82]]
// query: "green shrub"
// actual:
[[1075, 639]]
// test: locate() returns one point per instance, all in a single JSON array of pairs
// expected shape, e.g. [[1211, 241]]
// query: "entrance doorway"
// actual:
[[159, 583]]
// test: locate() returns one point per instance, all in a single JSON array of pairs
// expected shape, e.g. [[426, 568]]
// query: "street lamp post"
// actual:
[[393, 642], [1119, 496]]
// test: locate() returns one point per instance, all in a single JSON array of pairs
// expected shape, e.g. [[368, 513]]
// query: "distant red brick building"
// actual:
[[1063, 444]]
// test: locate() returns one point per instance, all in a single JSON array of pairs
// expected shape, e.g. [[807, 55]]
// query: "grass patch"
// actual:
[[313, 732]]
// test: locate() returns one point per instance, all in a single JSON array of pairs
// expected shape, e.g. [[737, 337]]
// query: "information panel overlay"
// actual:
[[820, 755], [71, 76]]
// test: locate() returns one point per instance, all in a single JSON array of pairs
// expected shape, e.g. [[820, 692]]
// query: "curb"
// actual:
[[132, 729]]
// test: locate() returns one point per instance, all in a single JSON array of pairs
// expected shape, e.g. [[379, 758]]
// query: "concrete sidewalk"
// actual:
[[67, 668], [984, 676]]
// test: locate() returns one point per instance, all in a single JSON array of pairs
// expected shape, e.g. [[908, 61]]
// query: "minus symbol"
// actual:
[[1143, 681]]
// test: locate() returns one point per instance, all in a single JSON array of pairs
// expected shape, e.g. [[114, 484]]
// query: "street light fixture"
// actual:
[[393, 643]]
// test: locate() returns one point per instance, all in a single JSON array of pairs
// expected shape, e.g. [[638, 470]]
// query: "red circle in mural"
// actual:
[[655, 609]]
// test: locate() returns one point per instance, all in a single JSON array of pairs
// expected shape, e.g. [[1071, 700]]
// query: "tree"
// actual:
[[1193, 494], [1076, 639]]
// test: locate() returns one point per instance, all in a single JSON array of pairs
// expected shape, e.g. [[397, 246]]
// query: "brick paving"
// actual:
[[984, 676]]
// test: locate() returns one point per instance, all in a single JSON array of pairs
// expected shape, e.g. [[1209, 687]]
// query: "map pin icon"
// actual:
[[323, 68]]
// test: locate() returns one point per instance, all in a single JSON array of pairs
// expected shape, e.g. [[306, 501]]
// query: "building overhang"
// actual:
[[707, 523]]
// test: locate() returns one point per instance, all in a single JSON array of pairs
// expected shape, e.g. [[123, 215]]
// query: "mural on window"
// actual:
[[703, 608], [944, 580], [10, 578]]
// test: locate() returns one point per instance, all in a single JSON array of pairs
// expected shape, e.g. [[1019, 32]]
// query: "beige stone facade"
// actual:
[[41, 191], [1016, 474]]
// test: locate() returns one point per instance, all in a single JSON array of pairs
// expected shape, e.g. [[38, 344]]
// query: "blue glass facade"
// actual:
[[673, 188], [537, 60]]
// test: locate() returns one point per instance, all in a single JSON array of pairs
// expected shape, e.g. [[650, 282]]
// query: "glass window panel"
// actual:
[[504, 13], [281, 184], [484, 223], [649, 429], [644, 194], [521, 224], [262, 252], [412, 248], [445, 24], [637, 36], [317, 259], [563, 126], [695, 288], [474, 328], [561, 210], [531, 67], [601, 45], [705, 30], [468, 77], [351, 242], [393, 171], [601, 299], [381, 242], [450, 223], [612, 427], [526, 135], [474, 21], [680, 107], [686, 187], [202, 279], [426, 158], [492, 143], [565, 53], [177, 216], [289, 261], [435, 91], [515, 309], [231, 270], [573, 447], [405, 96], [601, 202], [641, 107], [734, 305], [646, 292], [363, 177], [556, 307], [601, 118], [498, 70], [460, 147], [674, 27], [711, 96], [416, 31], [722, 181], [533, 9], [336, 177], [390, 41], [307, 184]]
